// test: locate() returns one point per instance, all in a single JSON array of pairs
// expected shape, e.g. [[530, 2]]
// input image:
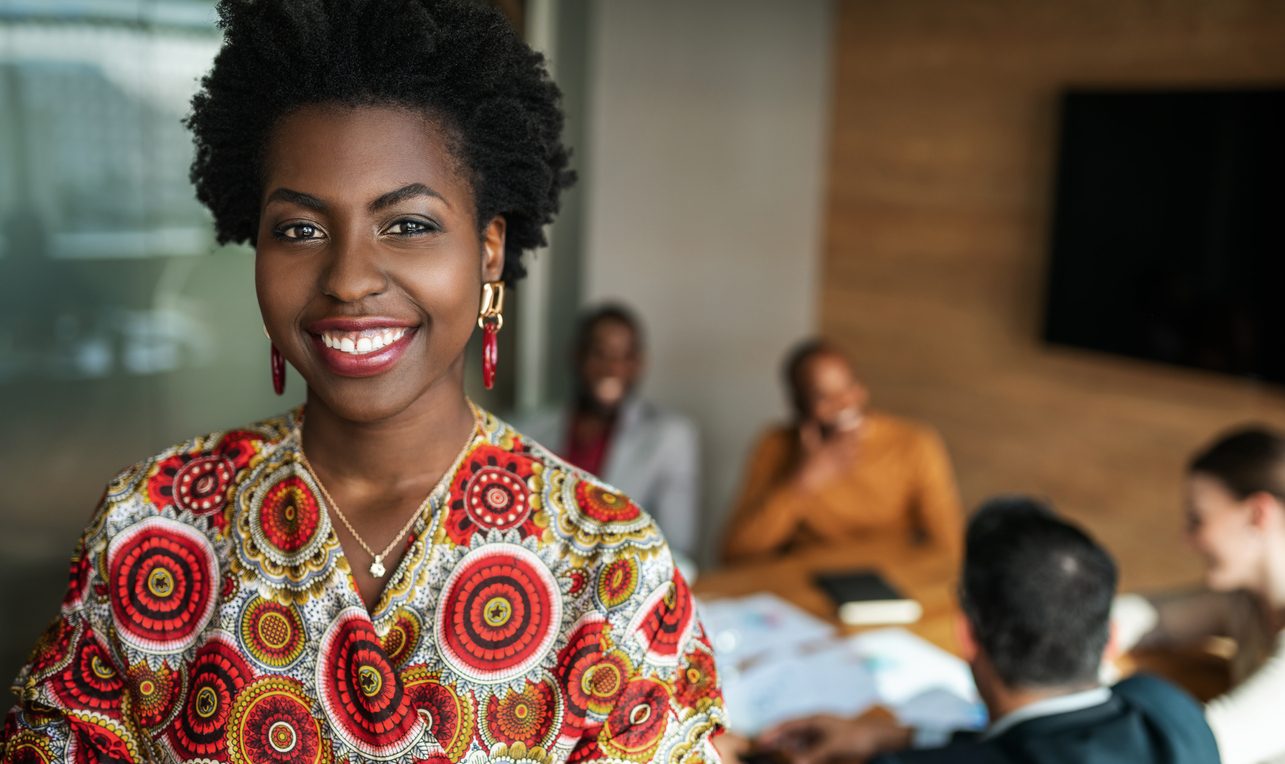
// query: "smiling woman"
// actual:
[[387, 572]]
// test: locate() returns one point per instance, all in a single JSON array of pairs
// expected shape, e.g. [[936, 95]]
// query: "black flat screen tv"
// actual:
[[1168, 237]]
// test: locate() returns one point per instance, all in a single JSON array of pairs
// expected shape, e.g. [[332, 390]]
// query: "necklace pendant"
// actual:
[[377, 568]]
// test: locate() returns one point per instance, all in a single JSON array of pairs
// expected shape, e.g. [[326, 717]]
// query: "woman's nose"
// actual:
[[354, 271]]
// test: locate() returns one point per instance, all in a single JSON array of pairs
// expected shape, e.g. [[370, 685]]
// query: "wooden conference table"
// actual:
[[931, 578], [920, 572]]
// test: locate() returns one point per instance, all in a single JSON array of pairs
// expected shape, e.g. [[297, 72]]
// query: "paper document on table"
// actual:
[[744, 628], [832, 679], [921, 683]]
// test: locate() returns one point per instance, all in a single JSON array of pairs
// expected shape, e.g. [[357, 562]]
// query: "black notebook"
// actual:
[[865, 598]]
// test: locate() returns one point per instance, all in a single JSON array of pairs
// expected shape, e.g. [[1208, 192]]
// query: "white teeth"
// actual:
[[360, 343]]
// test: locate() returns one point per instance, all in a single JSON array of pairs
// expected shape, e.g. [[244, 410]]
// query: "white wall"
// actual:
[[704, 189]]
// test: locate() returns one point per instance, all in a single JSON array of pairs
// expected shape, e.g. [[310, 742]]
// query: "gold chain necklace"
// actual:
[[377, 568]]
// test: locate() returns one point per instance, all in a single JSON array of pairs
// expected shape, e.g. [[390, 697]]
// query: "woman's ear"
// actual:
[[1265, 511], [493, 249]]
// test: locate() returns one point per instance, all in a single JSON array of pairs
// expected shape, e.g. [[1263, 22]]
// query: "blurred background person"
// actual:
[[1036, 598], [1236, 522], [840, 470], [608, 429]]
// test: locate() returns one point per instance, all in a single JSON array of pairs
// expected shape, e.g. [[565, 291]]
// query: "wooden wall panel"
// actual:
[[939, 201]]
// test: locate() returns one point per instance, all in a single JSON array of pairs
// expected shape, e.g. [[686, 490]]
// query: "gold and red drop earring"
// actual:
[[491, 319]]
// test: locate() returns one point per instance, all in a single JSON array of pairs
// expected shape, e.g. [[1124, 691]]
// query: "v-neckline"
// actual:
[[428, 509]]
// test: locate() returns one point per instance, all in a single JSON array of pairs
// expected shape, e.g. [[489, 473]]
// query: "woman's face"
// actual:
[[369, 265], [1221, 529]]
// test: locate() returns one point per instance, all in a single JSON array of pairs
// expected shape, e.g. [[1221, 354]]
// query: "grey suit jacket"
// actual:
[[653, 457]]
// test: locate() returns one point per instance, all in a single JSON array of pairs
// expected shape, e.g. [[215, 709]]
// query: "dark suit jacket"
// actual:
[[1147, 721]]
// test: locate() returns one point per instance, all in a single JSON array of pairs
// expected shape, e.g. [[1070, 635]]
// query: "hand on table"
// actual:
[[817, 739]]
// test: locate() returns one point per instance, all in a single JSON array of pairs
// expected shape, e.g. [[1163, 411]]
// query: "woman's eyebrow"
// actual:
[[404, 193], [297, 197]]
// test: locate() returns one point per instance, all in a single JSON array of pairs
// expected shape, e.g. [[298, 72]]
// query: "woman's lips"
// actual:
[[360, 347]]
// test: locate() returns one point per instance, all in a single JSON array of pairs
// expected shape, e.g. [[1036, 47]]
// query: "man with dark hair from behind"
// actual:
[[1036, 596]]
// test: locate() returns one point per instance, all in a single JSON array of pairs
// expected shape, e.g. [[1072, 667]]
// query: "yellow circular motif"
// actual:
[[601, 681], [370, 681], [207, 702], [101, 669], [274, 630], [160, 582], [27, 745], [272, 720], [272, 633], [498, 611], [282, 737]]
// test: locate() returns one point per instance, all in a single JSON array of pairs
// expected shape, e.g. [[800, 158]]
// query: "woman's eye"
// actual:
[[411, 227], [298, 231]]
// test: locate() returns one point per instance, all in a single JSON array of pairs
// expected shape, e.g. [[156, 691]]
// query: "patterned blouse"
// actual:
[[536, 617]]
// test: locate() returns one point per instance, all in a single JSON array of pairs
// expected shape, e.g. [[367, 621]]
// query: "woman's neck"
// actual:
[[410, 449]]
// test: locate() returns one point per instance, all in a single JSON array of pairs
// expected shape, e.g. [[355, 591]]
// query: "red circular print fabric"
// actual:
[[592, 676], [586, 747], [81, 567], [163, 578], [218, 675], [212, 617], [617, 582], [272, 633], [531, 716], [495, 499], [403, 637], [198, 482], [360, 689], [639, 717], [289, 516], [90, 681], [272, 724], [54, 648], [156, 693], [28, 747], [499, 613], [665, 621], [697, 683], [604, 506], [448, 715], [98, 737], [491, 493], [201, 484], [577, 581]]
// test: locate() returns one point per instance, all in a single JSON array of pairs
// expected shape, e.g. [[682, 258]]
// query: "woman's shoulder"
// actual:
[[615, 562], [192, 479], [581, 511]]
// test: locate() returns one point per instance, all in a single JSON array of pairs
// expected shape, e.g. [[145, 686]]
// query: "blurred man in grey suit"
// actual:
[[647, 452]]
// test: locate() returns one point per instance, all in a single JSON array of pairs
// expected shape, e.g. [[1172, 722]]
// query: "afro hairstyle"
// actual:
[[460, 63]]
